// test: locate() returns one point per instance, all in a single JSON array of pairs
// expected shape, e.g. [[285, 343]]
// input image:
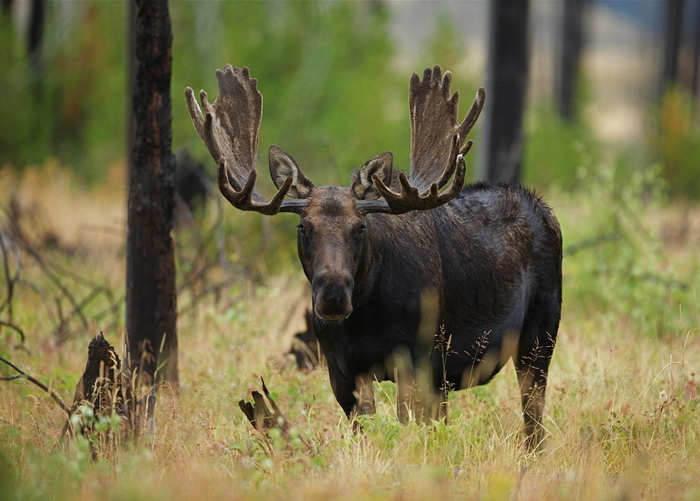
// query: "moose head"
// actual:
[[333, 225]]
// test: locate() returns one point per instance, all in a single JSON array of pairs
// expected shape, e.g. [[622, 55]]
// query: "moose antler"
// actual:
[[410, 198], [434, 123], [229, 128], [437, 151]]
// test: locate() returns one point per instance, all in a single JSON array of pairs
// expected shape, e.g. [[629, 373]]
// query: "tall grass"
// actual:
[[622, 408]]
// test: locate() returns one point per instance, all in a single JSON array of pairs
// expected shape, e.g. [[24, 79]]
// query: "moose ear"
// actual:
[[282, 166], [381, 166]]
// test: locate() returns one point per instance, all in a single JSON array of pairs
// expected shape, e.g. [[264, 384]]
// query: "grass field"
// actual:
[[623, 401]]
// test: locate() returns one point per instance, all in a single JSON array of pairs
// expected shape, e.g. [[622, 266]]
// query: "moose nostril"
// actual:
[[332, 294]]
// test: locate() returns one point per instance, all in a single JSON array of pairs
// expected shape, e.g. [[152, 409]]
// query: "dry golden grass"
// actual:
[[622, 412]]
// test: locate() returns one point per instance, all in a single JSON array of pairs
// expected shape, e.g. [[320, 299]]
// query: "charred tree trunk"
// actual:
[[150, 271], [672, 42], [506, 87], [6, 7], [570, 56], [695, 73], [36, 35]]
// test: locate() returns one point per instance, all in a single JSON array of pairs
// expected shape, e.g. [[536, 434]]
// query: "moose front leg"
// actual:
[[354, 395], [364, 395], [419, 401]]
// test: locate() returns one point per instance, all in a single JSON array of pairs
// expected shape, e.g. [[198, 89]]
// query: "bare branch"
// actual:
[[41, 385]]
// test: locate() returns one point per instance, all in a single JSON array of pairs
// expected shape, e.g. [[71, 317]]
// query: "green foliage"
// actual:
[[623, 392], [677, 142], [445, 47], [23, 136], [323, 70], [617, 394], [8, 478], [71, 105], [556, 148], [618, 266]]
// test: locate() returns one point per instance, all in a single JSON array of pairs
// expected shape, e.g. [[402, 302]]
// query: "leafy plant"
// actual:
[[676, 142]]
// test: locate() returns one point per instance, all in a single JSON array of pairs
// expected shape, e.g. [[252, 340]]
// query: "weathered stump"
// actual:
[[261, 416]]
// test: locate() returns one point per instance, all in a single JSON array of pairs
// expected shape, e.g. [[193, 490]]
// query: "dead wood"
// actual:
[[204, 268], [261, 416], [102, 393], [305, 347], [17, 329], [108, 391], [25, 240]]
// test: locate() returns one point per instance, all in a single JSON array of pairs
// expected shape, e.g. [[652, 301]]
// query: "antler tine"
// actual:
[[471, 118], [410, 199], [229, 129], [243, 199]]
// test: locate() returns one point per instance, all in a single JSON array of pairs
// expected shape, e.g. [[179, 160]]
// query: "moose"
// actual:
[[407, 278]]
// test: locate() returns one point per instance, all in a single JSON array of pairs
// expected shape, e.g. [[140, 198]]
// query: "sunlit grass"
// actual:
[[623, 400]]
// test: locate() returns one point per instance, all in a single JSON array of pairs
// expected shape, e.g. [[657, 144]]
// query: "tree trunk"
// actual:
[[36, 33], [695, 71], [506, 87], [150, 271], [672, 42], [570, 56]]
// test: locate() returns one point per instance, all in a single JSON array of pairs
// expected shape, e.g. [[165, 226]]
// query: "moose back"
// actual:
[[410, 279]]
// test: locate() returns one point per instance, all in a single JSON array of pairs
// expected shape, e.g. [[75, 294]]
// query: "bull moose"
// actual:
[[405, 274]]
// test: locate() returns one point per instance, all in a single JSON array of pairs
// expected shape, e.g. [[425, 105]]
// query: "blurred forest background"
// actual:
[[334, 76]]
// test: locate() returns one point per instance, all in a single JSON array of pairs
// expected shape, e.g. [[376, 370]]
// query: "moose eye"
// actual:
[[302, 229], [361, 229]]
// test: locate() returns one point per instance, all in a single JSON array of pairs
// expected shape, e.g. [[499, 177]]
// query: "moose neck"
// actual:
[[371, 260]]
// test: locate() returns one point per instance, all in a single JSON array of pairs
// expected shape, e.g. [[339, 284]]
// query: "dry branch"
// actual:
[[25, 238], [24, 375]]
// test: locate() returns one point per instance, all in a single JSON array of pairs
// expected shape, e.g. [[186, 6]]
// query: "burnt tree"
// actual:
[[507, 74], [572, 42], [672, 42], [695, 73], [36, 35], [150, 272]]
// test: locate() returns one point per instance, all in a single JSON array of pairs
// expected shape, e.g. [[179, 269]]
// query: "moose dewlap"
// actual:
[[410, 281]]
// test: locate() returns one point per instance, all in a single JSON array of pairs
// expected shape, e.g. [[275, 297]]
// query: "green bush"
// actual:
[[72, 104], [676, 143], [556, 148], [325, 71], [616, 265]]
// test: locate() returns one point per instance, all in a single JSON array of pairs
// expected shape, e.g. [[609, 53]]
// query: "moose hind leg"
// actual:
[[532, 365]]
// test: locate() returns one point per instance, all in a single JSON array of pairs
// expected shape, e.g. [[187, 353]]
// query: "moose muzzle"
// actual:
[[332, 295]]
